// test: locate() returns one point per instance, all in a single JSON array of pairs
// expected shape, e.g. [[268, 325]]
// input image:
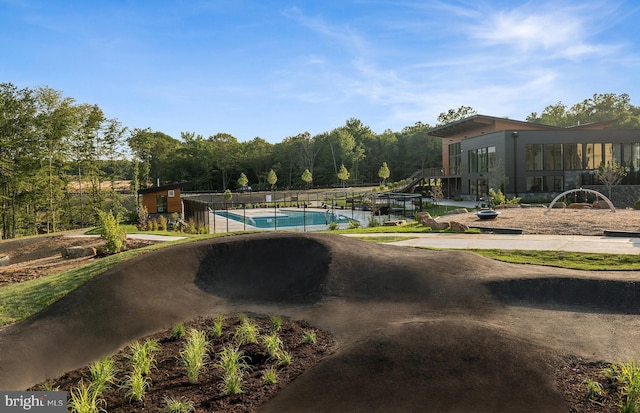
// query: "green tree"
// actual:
[[20, 155], [343, 174], [272, 178], [610, 174], [111, 232], [55, 121], [141, 141], [307, 177], [243, 180], [598, 108], [454, 115], [384, 173]]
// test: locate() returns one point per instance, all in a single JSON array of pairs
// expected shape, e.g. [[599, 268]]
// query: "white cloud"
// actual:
[[557, 29]]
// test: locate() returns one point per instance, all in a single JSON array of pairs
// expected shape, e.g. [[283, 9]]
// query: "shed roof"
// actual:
[[179, 185]]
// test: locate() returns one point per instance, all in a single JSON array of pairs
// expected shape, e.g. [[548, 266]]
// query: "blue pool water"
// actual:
[[287, 218]]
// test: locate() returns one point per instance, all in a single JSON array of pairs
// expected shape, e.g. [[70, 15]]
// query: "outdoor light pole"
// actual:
[[515, 162]]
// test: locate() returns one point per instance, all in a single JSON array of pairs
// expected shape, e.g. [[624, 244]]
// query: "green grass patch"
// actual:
[[411, 227], [383, 238], [22, 300], [566, 259]]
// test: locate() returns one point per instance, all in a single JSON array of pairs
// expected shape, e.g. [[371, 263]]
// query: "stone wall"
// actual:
[[622, 196]]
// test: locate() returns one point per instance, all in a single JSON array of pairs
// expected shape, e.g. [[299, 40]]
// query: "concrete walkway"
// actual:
[[575, 243], [147, 237]]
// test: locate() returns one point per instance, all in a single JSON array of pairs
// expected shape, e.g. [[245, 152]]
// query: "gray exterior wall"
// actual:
[[511, 151]]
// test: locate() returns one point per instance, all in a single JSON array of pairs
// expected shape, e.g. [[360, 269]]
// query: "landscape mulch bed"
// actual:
[[169, 377]]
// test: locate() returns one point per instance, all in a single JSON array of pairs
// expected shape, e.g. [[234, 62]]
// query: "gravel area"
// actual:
[[536, 220]]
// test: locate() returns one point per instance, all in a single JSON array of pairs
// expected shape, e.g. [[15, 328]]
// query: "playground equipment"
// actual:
[[576, 191]]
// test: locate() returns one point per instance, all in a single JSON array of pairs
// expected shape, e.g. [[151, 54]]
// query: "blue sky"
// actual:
[[279, 68]]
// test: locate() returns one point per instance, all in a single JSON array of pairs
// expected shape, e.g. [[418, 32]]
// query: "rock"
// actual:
[[435, 225], [395, 223], [77, 252], [458, 211], [4, 260], [580, 205], [458, 226], [600, 205], [423, 217]]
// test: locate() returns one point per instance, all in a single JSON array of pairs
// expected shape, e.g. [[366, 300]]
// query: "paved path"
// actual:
[[575, 243], [147, 237]]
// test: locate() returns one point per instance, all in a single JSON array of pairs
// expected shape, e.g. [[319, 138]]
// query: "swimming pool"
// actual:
[[285, 217]]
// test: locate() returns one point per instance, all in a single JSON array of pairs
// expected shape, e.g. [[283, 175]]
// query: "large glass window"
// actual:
[[572, 156], [553, 157], [534, 184], [491, 153], [553, 184], [534, 157], [455, 160], [612, 153], [593, 155], [482, 160], [544, 183], [473, 161], [161, 201]]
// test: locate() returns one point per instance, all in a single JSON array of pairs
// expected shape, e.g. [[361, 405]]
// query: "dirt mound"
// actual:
[[416, 329], [428, 366]]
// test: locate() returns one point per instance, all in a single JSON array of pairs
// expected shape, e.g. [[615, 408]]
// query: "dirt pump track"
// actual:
[[417, 330]]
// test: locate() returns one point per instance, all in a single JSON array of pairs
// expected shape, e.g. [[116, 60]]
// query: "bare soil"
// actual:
[[169, 379], [36, 257]]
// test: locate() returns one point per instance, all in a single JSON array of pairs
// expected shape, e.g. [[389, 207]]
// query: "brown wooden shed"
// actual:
[[163, 199]]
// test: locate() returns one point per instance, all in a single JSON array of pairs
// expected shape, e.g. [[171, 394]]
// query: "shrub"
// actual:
[[111, 232], [284, 359], [194, 354], [231, 360], [136, 384], [373, 222], [246, 333], [178, 331], [233, 363], [152, 225], [231, 384], [354, 224], [270, 376], [629, 376], [498, 197], [103, 374], [142, 356], [216, 329], [177, 406], [333, 226], [192, 226], [636, 205], [593, 388], [273, 345], [276, 323], [309, 337], [162, 223], [83, 400]]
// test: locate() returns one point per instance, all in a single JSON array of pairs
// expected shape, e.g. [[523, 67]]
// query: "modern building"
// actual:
[[531, 160]]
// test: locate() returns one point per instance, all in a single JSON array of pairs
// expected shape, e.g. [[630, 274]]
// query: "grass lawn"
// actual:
[[565, 259]]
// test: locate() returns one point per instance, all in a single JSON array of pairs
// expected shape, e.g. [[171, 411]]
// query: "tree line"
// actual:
[[59, 159]]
